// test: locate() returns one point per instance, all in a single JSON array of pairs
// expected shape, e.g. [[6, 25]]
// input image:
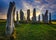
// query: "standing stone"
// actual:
[[42, 18], [21, 15], [17, 17], [28, 15], [34, 15], [49, 17], [39, 18], [45, 17], [10, 23], [14, 13]]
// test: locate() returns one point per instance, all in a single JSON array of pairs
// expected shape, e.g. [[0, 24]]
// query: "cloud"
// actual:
[[40, 5], [38, 0], [30, 6], [3, 16], [3, 6], [27, 5], [50, 1]]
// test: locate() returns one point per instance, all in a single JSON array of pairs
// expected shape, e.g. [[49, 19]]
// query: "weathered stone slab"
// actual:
[[45, 17], [10, 23], [49, 17], [34, 15], [28, 15], [17, 18], [21, 15], [39, 18]]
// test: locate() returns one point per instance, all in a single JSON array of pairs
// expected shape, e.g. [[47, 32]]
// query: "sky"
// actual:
[[40, 5]]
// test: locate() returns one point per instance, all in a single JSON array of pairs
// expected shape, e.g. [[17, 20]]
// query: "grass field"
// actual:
[[32, 31]]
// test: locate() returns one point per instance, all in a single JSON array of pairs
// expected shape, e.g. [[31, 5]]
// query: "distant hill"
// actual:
[[53, 20], [2, 20]]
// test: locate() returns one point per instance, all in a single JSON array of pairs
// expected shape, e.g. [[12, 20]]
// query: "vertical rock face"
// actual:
[[45, 17], [39, 18], [49, 17], [17, 17], [10, 23], [28, 15], [34, 15], [14, 13], [42, 17], [21, 15]]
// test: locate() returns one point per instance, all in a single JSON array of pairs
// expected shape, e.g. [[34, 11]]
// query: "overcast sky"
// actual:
[[40, 5]]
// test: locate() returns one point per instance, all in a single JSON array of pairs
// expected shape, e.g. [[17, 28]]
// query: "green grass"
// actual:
[[36, 32], [2, 28], [33, 31]]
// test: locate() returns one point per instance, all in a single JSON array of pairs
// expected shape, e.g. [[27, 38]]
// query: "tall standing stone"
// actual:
[[45, 17], [21, 15], [42, 18], [34, 15], [49, 17], [10, 23], [17, 17], [39, 18], [14, 13], [28, 15]]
